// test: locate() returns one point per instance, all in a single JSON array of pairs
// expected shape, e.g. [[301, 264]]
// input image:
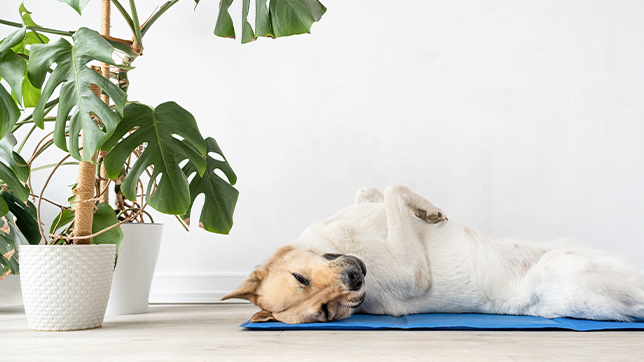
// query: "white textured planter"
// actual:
[[135, 269], [65, 288]]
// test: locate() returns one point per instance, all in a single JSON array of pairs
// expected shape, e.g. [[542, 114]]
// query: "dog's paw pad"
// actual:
[[432, 218]]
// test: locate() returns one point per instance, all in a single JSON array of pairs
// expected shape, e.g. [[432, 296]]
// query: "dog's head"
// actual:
[[303, 286]]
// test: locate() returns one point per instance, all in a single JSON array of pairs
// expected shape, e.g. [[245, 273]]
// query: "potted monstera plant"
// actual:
[[117, 143]]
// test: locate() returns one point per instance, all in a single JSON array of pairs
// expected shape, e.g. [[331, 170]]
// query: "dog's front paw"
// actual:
[[433, 216]]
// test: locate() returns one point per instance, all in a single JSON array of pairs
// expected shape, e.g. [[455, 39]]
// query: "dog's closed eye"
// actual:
[[301, 279]]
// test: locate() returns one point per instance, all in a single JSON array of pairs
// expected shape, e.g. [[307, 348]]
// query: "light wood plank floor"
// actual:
[[211, 333]]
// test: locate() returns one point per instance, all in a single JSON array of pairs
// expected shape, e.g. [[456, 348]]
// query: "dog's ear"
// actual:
[[247, 289], [263, 316]]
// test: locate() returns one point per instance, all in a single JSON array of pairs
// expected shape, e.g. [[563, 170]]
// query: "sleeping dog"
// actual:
[[398, 254]]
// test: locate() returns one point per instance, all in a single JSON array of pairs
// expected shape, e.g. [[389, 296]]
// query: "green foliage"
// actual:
[[13, 39], [9, 242], [247, 31], [78, 5], [30, 38], [26, 15], [220, 196], [30, 94], [75, 78], [291, 17], [12, 69], [64, 218], [224, 27], [156, 128], [13, 202], [12, 169], [9, 112], [281, 18], [26, 218], [105, 217], [263, 27], [13, 62], [17, 164]]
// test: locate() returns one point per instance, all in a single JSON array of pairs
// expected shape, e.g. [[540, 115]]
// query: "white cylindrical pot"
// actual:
[[135, 269], [66, 287]]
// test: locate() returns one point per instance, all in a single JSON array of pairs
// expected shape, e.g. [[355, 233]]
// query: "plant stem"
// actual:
[[135, 23], [46, 119], [28, 119], [40, 151], [22, 144], [38, 28], [135, 208], [52, 165], [42, 233], [37, 36], [182, 223], [126, 16], [49, 201], [156, 16], [50, 105], [104, 230]]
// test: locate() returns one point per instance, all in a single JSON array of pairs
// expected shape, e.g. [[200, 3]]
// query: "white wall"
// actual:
[[523, 118]]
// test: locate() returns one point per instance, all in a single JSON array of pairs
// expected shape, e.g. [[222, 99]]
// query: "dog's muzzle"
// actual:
[[354, 270]]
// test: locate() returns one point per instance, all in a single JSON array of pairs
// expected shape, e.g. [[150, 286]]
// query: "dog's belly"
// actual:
[[454, 288], [468, 275]]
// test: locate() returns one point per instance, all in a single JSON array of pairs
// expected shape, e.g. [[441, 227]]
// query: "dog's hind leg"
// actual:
[[402, 207], [369, 194], [400, 200], [566, 283]]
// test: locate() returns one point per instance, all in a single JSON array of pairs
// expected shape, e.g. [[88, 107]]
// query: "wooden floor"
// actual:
[[211, 333]]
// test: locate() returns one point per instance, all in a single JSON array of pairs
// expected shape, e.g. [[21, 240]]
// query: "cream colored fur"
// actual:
[[419, 262]]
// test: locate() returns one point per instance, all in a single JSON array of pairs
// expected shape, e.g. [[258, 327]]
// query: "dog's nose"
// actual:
[[353, 279]]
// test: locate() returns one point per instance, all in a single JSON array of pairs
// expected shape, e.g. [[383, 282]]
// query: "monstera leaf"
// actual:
[[9, 242], [9, 112], [105, 217], [12, 67], [64, 218], [280, 18], [224, 27], [290, 17], [13, 39], [30, 94], [26, 218], [13, 52], [12, 63], [13, 169], [26, 15], [75, 78], [247, 31], [78, 5], [17, 164], [220, 195], [156, 128]]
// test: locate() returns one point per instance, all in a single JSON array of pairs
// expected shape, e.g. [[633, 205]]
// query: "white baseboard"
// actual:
[[192, 287], [10, 293], [167, 287]]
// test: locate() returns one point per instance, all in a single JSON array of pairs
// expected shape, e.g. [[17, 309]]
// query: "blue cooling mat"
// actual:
[[451, 321]]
